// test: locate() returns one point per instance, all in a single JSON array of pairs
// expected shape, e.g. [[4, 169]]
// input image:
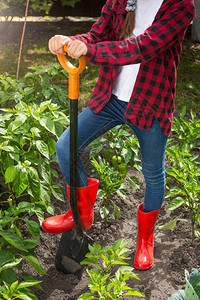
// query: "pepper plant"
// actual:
[[187, 131], [30, 124], [14, 248], [121, 149], [27, 136], [105, 283], [185, 171], [124, 147], [38, 85], [111, 183]]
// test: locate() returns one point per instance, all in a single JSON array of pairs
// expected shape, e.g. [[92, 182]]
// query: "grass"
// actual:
[[188, 72], [32, 55]]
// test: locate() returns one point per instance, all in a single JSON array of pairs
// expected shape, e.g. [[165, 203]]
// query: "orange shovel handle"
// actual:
[[73, 73]]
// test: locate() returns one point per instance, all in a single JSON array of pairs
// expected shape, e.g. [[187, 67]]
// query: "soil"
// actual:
[[174, 251]]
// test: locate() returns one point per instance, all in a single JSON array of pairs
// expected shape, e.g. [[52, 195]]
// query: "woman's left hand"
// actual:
[[76, 49]]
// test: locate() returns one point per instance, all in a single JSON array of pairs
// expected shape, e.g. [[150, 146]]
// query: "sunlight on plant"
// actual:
[[106, 283]]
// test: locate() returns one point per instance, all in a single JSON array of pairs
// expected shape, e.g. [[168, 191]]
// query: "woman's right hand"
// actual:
[[57, 42]]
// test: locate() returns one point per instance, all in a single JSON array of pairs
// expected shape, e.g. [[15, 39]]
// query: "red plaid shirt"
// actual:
[[157, 50]]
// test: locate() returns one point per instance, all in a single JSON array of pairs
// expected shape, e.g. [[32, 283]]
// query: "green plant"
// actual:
[[11, 289], [105, 283], [19, 235], [38, 85], [118, 142], [27, 147], [123, 143], [192, 288], [111, 183], [29, 128], [185, 171], [187, 132], [36, 5], [69, 2], [18, 290]]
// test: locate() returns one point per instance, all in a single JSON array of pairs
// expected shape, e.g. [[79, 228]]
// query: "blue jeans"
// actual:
[[152, 146]]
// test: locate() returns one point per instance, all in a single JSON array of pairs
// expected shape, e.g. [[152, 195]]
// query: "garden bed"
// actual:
[[174, 251]]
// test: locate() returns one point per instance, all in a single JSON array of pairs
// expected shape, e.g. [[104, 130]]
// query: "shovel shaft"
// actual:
[[73, 164], [73, 87], [73, 96]]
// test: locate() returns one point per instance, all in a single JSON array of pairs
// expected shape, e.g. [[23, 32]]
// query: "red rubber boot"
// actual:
[[144, 251], [86, 197]]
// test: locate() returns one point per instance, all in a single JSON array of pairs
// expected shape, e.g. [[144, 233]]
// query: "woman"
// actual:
[[137, 44]]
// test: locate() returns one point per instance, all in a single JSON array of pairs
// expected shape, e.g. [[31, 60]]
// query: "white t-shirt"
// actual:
[[145, 13]]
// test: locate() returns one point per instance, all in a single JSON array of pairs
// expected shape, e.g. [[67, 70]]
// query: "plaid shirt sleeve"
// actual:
[[100, 30], [157, 38]]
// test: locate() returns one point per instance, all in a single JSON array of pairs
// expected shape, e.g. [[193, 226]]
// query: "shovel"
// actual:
[[74, 243]]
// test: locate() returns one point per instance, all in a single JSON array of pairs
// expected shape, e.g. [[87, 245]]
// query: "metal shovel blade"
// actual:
[[72, 250]]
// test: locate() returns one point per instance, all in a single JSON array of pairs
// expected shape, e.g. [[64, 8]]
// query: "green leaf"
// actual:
[[116, 212], [126, 154], [96, 149], [134, 292], [194, 279], [48, 124], [39, 213], [179, 295], [183, 112], [174, 191], [5, 256], [52, 146], [14, 286], [26, 295], [30, 244], [86, 296], [95, 248], [121, 193], [25, 207], [9, 276], [90, 261], [58, 129], [44, 169], [42, 148], [20, 183], [33, 260], [34, 183], [118, 262], [34, 229], [56, 191], [13, 240], [198, 219], [169, 225], [10, 174], [190, 293], [101, 194], [10, 264], [104, 212], [6, 220], [28, 283], [18, 122], [175, 203], [134, 182], [171, 172], [2, 131]]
